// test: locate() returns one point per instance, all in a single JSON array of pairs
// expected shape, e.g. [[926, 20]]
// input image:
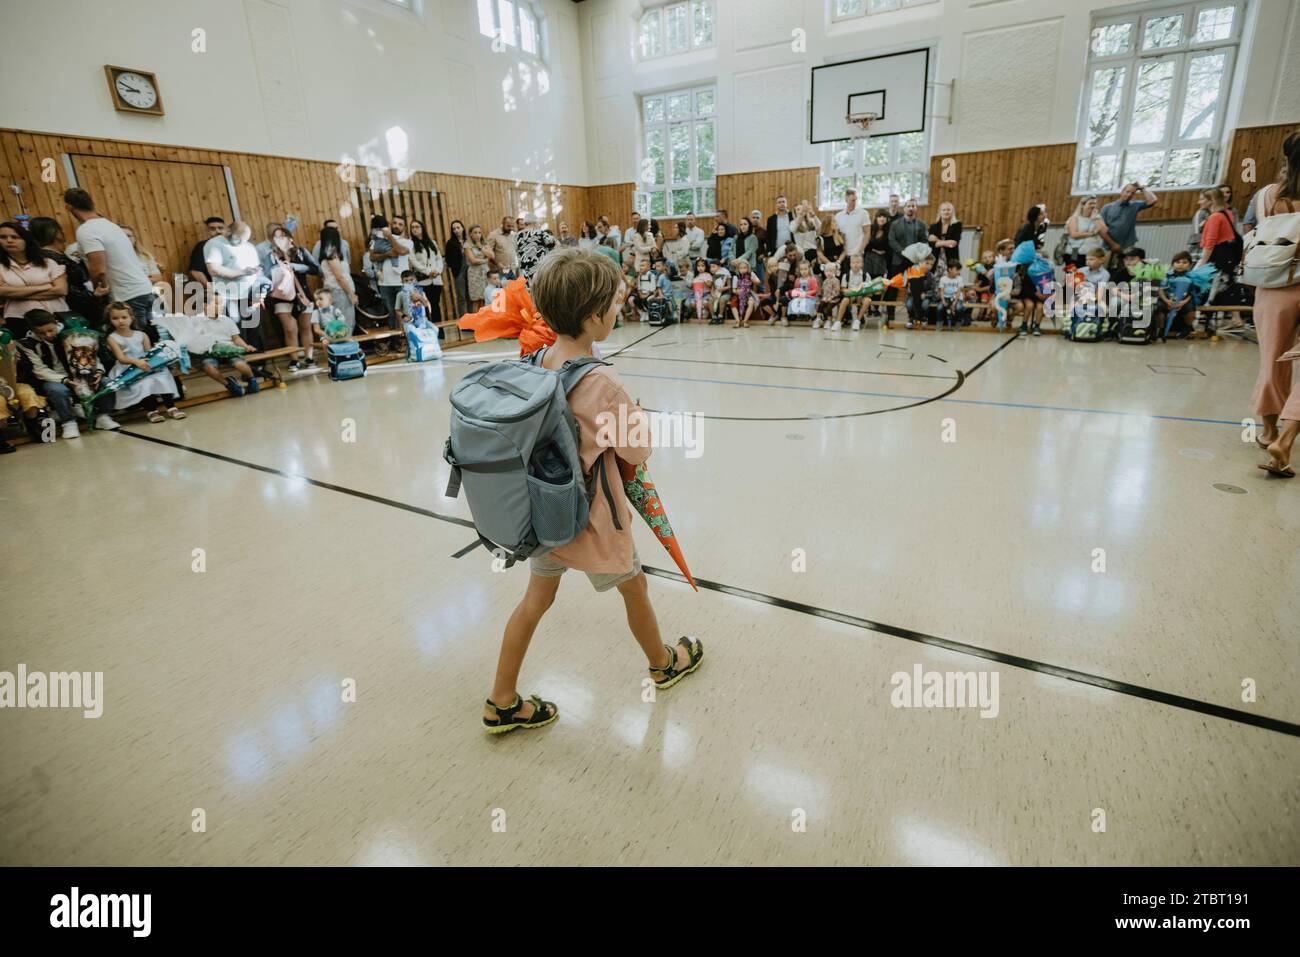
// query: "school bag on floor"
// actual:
[[1139, 329], [1271, 257], [422, 343], [1084, 328], [659, 312], [514, 448], [346, 360]]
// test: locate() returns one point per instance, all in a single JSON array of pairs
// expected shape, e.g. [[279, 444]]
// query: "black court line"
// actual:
[[893, 355], [886, 345], [1161, 370], [940, 358], [467, 549], [1015, 661], [958, 383], [343, 489], [768, 365], [652, 332], [866, 624]]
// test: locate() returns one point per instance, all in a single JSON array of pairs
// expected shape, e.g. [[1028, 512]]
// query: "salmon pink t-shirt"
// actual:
[[610, 425]]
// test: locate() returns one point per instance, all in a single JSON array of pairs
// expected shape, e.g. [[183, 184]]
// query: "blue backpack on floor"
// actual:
[[346, 360]]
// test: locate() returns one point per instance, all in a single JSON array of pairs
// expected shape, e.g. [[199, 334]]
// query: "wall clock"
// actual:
[[134, 91]]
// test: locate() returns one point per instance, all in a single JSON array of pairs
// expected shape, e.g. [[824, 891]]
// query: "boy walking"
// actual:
[[580, 294]]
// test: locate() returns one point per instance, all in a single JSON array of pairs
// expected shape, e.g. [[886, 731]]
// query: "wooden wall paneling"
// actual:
[[741, 193], [159, 189], [1262, 146]]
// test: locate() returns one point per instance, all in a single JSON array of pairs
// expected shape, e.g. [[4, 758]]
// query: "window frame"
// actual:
[[867, 12], [1182, 55], [642, 196], [661, 10], [893, 167], [541, 31]]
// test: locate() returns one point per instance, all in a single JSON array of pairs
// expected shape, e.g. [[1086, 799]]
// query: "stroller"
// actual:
[[372, 312], [1227, 291]]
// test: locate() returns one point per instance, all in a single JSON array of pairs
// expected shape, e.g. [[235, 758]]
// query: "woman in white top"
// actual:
[[427, 262], [641, 242], [677, 254], [806, 227], [1083, 231], [588, 238]]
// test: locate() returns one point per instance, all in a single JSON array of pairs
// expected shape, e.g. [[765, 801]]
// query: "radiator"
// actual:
[[1160, 240]]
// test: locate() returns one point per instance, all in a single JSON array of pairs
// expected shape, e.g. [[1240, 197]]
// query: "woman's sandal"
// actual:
[[544, 712], [695, 654], [156, 416], [175, 413], [1281, 471]]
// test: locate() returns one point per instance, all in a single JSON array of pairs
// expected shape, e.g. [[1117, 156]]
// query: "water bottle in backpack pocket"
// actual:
[[514, 447]]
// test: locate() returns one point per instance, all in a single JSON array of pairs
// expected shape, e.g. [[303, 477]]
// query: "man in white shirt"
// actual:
[[780, 227], [111, 260], [238, 279], [389, 266], [695, 239], [852, 221]]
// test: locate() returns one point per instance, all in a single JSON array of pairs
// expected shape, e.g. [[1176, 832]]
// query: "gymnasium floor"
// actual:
[[1119, 690]]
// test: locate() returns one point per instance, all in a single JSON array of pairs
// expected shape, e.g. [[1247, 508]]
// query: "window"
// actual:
[[877, 166], [677, 28], [1154, 98], [679, 153], [851, 9], [516, 23]]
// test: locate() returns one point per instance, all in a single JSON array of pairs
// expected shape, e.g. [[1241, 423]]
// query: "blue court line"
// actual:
[[897, 395]]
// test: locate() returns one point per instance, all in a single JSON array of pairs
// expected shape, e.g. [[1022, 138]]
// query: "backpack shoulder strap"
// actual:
[[573, 371]]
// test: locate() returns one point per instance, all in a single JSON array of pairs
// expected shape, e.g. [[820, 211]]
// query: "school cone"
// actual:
[[643, 495], [511, 315]]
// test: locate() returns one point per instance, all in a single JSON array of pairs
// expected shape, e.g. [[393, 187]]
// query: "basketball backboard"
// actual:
[[893, 86]]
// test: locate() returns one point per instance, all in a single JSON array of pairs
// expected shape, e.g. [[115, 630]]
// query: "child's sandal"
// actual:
[[156, 416], [695, 655], [507, 719], [175, 413]]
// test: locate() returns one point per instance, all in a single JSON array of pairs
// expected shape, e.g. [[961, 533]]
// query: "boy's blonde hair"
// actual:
[[571, 285], [1004, 244]]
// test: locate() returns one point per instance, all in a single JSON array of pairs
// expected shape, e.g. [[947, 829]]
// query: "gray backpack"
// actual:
[[514, 447]]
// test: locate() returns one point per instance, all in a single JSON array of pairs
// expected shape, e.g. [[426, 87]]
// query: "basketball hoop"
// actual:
[[863, 121]]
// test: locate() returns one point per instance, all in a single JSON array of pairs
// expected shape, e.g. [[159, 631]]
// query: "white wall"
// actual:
[[1019, 67], [317, 79]]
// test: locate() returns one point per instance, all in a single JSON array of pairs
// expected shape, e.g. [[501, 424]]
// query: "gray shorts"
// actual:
[[543, 566]]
